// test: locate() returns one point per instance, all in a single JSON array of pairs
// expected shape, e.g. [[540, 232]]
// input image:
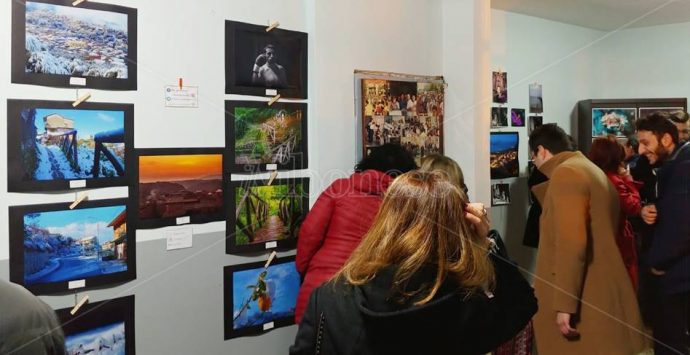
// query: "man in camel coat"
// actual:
[[587, 304]]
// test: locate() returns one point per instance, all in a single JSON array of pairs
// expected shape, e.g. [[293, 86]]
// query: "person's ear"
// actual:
[[666, 140]]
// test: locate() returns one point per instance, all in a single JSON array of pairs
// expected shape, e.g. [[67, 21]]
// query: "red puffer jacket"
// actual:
[[334, 227]]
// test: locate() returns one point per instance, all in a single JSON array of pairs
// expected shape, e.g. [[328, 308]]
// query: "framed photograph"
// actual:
[[177, 186], [644, 111], [534, 123], [617, 121], [53, 146], [517, 117], [257, 299], [105, 327], [262, 137], [408, 113], [264, 63], [500, 194], [265, 216], [499, 117], [93, 45], [54, 248], [536, 101], [504, 155], [500, 87]]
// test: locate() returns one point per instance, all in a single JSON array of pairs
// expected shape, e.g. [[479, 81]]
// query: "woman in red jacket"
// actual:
[[342, 215], [608, 154]]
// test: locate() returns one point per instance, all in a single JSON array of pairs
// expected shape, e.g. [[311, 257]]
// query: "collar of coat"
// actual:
[[548, 168]]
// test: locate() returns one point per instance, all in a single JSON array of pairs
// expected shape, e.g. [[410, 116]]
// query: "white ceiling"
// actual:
[[604, 15]]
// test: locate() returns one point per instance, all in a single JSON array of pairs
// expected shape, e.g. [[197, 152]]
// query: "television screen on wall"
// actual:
[[92, 45]]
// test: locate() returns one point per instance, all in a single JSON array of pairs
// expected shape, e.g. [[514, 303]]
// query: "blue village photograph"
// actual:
[[106, 340], [74, 244], [503, 151], [263, 295], [69, 144], [66, 40]]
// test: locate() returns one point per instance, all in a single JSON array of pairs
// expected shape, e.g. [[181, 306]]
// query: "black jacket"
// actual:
[[531, 235], [670, 250], [363, 320]]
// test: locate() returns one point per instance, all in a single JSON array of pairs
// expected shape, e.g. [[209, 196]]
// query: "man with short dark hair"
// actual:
[[267, 71], [586, 300], [669, 255], [680, 119]]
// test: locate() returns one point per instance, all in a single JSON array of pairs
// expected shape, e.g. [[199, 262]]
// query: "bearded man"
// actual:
[[669, 256]]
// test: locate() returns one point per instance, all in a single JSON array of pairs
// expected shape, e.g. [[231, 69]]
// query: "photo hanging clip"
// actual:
[[81, 99], [270, 259], [79, 304], [272, 26], [273, 177], [77, 2], [179, 83], [78, 200], [273, 100]]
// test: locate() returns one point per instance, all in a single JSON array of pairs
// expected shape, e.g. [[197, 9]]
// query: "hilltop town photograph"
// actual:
[[69, 144], [74, 244], [75, 41], [180, 185], [503, 151]]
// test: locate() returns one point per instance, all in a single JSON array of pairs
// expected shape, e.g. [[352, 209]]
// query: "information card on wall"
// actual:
[[185, 96]]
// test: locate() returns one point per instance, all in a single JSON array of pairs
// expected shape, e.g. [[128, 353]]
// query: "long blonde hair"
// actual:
[[421, 224], [447, 165]]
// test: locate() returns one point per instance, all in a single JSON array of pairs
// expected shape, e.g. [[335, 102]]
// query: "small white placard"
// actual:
[[271, 92], [271, 245], [76, 284], [187, 96], [271, 167], [183, 220], [179, 238], [77, 184], [77, 81], [268, 326]]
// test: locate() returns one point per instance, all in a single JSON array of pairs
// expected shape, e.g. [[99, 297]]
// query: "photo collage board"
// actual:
[[504, 141], [66, 146], [406, 111]]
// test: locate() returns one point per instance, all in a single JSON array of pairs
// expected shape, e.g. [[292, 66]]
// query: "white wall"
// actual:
[[647, 62]]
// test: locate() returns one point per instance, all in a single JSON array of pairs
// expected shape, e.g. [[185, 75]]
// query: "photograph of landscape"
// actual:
[[70, 144], [268, 135], [74, 41], [178, 185], [106, 340], [503, 152], [267, 213], [74, 244]]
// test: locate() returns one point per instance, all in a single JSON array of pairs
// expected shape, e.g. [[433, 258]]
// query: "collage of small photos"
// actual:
[[65, 146], [409, 113], [503, 145]]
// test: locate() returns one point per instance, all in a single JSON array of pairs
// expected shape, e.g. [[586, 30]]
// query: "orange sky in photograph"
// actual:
[[154, 168]]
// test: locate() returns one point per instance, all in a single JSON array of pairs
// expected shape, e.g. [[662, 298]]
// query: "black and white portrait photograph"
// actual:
[[265, 63], [500, 194], [534, 122], [499, 117]]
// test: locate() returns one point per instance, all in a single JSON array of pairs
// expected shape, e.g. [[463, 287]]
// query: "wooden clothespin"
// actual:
[[79, 305], [273, 177], [270, 259], [79, 200], [274, 99], [77, 2], [179, 83], [81, 99], [272, 26]]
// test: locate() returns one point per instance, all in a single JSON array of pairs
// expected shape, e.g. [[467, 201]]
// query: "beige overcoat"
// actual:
[[579, 268]]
